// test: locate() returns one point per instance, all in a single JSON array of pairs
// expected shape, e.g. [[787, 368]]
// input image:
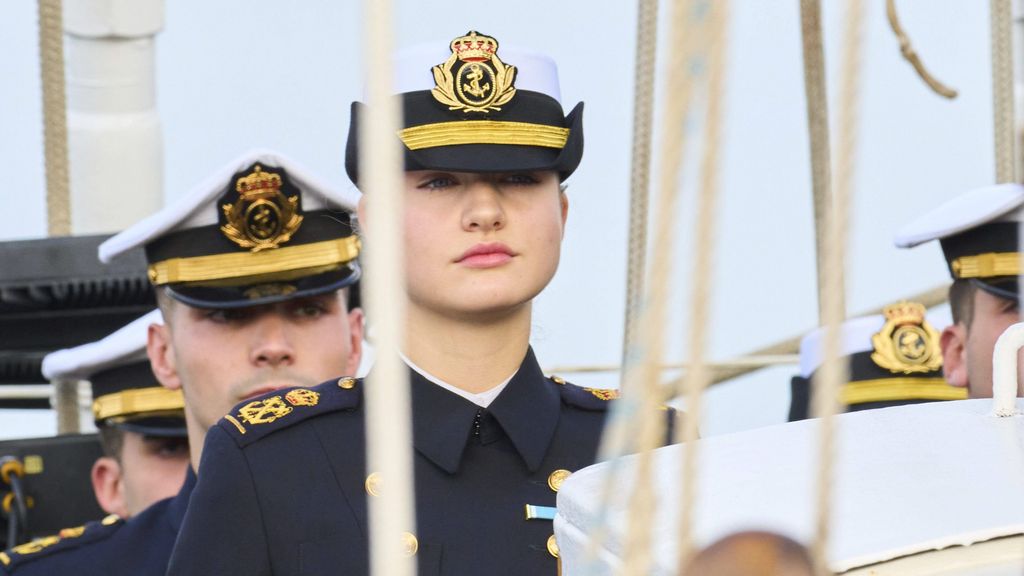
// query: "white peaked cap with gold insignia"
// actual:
[[471, 103], [535, 71], [999, 203], [262, 229], [855, 337], [978, 232], [125, 392], [125, 346]]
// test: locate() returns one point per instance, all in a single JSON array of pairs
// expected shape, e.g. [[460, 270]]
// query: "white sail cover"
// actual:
[[907, 479]]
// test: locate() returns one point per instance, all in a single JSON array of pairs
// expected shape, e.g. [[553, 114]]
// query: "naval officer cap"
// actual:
[[261, 230], [894, 359], [979, 234], [470, 105], [125, 392]]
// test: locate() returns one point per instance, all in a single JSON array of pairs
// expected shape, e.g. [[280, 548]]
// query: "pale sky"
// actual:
[[237, 74]]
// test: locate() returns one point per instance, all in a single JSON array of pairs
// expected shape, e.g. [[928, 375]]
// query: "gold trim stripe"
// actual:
[[888, 389], [137, 401], [987, 265], [247, 264], [483, 132], [230, 418]]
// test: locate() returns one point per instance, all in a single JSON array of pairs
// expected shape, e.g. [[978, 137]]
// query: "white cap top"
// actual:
[[123, 347], [855, 336], [999, 203], [535, 71], [196, 208]]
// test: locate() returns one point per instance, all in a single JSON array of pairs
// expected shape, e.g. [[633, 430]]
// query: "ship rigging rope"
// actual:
[[391, 515], [640, 167], [690, 29], [698, 377], [1003, 128], [911, 55], [831, 302], [55, 123]]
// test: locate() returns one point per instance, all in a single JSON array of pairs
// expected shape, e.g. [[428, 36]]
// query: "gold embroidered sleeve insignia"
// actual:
[[473, 78], [264, 411], [907, 343], [603, 393]]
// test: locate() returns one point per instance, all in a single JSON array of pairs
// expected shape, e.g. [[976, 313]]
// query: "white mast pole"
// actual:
[[115, 139]]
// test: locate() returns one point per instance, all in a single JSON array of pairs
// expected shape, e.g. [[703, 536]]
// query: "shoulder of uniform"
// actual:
[[66, 539], [585, 398], [255, 419]]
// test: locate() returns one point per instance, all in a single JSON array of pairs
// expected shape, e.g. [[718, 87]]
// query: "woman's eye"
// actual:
[[519, 179]]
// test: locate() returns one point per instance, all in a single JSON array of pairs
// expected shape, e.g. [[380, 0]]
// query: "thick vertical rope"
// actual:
[[698, 376], [55, 120], [640, 167], [690, 31], [817, 124], [55, 154], [1003, 128], [392, 517], [834, 369]]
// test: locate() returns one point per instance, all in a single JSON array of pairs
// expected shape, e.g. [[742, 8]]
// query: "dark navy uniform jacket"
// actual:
[[283, 484], [140, 546]]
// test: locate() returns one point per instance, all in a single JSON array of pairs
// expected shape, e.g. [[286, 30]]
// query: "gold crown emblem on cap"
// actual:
[[473, 78], [907, 343], [262, 216]]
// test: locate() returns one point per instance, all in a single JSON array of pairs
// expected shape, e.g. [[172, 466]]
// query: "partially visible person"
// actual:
[[894, 358], [753, 553], [979, 233], [254, 272], [141, 424]]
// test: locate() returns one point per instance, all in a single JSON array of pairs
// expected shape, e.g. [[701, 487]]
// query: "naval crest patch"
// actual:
[[264, 411], [907, 343], [603, 393], [473, 78], [261, 217]]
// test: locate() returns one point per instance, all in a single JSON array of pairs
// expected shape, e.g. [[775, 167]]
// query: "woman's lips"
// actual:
[[486, 255]]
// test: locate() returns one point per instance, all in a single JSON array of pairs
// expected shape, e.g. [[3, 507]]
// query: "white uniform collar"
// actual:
[[482, 399]]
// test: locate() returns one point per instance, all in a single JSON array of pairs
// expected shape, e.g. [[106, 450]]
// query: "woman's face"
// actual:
[[479, 245]]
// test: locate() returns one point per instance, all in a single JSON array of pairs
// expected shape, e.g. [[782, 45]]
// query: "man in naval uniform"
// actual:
[[894, 359], [253, 271], [978, 232], [493, 437], [141, 424]]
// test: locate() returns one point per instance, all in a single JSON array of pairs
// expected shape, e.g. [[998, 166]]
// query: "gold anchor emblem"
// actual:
[[907, 343], [474, 79], [261, 216], [264, 411]]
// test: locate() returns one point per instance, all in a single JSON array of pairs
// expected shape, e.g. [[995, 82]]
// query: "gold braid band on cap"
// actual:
[[248, 264], [137, 401], [987, 265], [889, 389], [483, 132]]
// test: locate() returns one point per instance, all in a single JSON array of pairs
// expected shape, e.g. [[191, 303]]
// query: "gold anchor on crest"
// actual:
[[475, 76]]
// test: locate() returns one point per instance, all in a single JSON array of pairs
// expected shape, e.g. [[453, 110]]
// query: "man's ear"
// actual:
[[108, 486], [160, 350], [954, 354], [355, 330]]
